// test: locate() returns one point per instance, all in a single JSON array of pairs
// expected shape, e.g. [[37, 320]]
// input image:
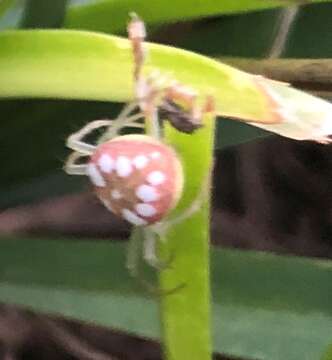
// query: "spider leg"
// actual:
[[132, 255], [149, 251], [75, 142], [149, 248], [137, 34], [148, 90], [122, 121], [138, 126], [125, 112], [154, 127], [133, 261], [144, 90], [136, 242], [162, 228], [72, 168], [188, 212]]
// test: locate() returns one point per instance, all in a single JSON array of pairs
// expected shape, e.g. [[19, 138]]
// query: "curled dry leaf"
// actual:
[[297, 115]]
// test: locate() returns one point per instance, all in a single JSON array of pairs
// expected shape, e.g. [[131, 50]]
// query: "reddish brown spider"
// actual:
[[138, 177]]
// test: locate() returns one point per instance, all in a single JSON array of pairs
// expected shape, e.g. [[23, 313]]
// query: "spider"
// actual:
[[138, 177]]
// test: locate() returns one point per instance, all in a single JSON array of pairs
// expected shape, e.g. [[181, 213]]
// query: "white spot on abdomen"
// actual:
[[155, 155], [106, 163], [147, 193], [156, 178], [140, 161], [133, 218], [123, 166], [107, 204], [116, 194], [145, 210], [95, 175]]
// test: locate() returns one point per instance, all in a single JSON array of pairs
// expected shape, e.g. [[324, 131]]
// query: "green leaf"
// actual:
[[10, 13], [251, 35], [241, 35], [43, 14], [81, 65], [189, 241], [35, 132], [5, 5], [112, 15], [231, 133], [306, 43], [265, 306], [327, 354]]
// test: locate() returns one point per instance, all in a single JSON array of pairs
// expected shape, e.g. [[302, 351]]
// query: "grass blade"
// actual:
[[42, 14], [82, 65], [260, 301], [111, 15], [186, 312]]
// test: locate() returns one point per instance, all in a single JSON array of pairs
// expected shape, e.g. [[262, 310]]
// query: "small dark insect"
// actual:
[[160, 97], [180, 119]]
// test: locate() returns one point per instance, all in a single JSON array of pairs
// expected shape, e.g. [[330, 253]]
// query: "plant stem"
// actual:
[[185, 313]]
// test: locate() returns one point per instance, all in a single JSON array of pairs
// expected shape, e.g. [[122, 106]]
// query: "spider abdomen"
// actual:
[[136, 177]]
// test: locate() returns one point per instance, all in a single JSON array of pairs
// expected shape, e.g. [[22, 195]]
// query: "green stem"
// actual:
[[186, 312]]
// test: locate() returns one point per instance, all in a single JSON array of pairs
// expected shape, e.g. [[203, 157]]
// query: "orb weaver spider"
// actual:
[[138, 177]]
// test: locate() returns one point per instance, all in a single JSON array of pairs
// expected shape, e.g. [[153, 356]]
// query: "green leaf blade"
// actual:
[[111, 15], [264, 306], [82, 65], [185, 315], [91, 66], [42, 14]]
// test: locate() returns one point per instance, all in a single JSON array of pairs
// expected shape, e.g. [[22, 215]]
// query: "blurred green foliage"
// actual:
[[265, 306]]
